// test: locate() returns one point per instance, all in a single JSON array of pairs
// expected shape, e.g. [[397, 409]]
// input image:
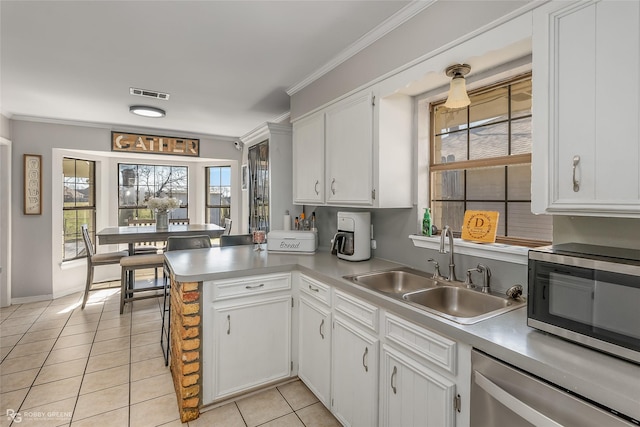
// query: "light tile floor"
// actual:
[[65, 366]]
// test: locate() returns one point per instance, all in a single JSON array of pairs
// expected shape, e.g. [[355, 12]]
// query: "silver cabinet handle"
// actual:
[[228, 324], [311, 288], [576, 183], [321, 325], [364, 359], [254, 286], [525, 411], [315, 187], [393, 377], [333, 188]]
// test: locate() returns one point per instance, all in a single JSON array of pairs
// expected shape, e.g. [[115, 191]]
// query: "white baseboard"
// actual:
[[26, 300]]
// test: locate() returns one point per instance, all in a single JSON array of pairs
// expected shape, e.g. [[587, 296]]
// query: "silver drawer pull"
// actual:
[[576, 183], [333, 186], [321, 325], [254, 286], [364, 359], [311, 288], [315, 187], [229, 324], [393, 377]]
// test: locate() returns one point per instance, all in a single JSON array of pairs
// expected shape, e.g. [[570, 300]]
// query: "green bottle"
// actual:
[[426, 222]]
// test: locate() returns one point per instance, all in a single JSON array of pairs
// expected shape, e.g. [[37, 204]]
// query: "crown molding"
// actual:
[[123, 128], [263, 130], [390, 24]]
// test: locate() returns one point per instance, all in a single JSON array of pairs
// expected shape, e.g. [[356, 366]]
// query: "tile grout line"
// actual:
[[44, 361], [87, 364]]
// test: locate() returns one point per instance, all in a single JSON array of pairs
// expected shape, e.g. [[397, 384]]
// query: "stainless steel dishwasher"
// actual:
[[503, 396]]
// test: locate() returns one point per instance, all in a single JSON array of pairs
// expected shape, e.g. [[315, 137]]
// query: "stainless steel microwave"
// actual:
[[587, 294]]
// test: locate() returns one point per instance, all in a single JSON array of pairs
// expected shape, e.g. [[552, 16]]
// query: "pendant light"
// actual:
[[457, 97]]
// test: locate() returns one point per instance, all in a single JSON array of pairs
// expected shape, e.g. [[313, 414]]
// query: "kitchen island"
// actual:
[[596, 376]]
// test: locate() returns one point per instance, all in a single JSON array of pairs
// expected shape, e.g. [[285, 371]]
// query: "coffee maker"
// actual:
[[353, 239]]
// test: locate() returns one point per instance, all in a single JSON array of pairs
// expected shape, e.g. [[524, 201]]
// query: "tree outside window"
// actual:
[[137, 183]]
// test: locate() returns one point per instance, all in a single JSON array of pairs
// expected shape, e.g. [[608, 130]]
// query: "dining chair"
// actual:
[[129, 291], [144, 247], [94, 260], [227, 226], [175, 243], [179, 221], [236, 239]]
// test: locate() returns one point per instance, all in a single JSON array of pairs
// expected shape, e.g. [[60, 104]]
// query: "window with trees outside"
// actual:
[[218, 194], [79, 205], [138, 183], [480, 159]]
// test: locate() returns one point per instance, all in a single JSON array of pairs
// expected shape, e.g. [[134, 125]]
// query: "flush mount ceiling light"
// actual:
[[457, 97], [146, 111]]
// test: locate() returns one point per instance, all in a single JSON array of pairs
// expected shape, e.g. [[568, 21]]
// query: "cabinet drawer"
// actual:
[[252, 285], [315, 289], [423, 342], [356, 309]]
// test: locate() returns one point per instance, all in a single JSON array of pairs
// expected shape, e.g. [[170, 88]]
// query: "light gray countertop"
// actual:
[[607, 380]]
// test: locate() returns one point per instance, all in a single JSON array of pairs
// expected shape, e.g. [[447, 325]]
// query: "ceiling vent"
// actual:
[[148, 93]]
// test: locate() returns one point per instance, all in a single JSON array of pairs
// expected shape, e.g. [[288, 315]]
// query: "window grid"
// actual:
[[218, 194], [78, 192], [139, 182], [449, 166]]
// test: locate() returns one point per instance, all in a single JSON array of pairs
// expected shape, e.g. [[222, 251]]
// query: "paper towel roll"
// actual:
[[287, 221]]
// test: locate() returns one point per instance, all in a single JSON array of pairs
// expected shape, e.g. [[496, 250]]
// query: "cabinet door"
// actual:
[[252, 344], [308, 160], [354, 375], [586, 111], [414, 395], [314, 352], [349, 145]]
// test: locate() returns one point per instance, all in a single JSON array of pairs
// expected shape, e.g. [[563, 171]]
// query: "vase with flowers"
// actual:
[[162, 206]]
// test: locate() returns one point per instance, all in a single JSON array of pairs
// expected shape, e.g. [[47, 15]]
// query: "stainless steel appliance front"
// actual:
[[505, 396], [587, 294]]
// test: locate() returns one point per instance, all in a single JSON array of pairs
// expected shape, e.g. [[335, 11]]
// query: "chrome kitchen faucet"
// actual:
[[446, 231]]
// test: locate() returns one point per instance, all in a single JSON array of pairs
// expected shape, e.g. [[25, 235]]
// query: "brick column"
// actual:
[[186, 368]]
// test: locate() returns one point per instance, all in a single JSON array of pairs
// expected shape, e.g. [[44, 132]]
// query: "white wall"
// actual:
[[38, 272]]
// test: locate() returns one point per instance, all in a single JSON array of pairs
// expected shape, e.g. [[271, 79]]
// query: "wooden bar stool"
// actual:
[[129, 265]]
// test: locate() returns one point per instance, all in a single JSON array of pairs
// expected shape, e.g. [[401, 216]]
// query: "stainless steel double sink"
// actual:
[[451, 300]]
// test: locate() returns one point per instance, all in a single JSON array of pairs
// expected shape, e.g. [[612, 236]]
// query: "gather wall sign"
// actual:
[[152, 144]]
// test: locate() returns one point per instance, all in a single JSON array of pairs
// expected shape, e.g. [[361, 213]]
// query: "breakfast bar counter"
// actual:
[[607, 380]]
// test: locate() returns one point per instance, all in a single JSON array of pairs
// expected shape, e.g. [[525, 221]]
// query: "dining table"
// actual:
[[149, 233], [137, 234]]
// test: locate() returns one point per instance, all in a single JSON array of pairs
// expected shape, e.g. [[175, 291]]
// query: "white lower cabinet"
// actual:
[[246, 334], [314, 348], [412, 395], [354, 375], [251, 344], [379, 369]]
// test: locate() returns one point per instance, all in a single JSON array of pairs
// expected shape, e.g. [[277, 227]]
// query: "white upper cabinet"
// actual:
[[308, 160], [355, 152], [349, 145], [586, 108]]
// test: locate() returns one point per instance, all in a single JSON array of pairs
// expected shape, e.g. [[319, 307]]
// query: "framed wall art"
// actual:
[[32, 184]]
